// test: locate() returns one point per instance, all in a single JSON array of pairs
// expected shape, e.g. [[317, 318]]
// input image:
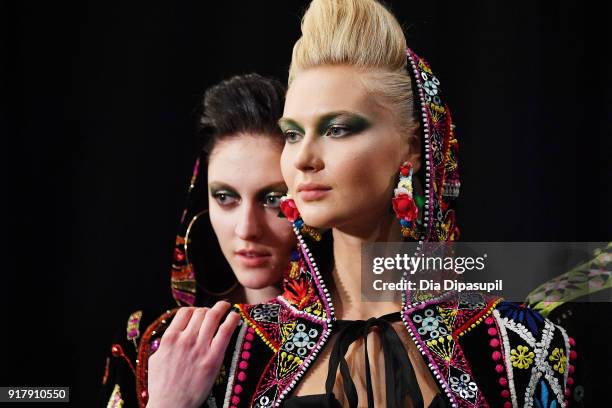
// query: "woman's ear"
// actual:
[[413, 154]]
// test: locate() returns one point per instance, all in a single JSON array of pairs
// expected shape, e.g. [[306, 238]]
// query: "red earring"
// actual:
[[404, 204]]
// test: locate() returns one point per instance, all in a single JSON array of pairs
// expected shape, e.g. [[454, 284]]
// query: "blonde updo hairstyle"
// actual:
[[362, 34]]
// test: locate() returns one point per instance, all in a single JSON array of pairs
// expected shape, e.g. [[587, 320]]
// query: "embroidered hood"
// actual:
[[439, 175], [196, 250]]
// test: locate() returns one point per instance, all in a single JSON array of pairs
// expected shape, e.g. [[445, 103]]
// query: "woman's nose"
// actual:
[[308, 157], [248, 223]]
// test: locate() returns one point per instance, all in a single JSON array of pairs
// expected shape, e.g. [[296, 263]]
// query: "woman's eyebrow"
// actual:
[[288, 123], [325, 120], [321, 120], [218, 185], [358, 120], [279, 186]]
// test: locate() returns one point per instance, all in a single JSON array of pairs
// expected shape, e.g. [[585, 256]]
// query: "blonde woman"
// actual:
[[367, 131]]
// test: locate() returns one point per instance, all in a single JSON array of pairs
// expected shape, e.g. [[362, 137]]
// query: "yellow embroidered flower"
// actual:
[[558, 355], [521, 357]]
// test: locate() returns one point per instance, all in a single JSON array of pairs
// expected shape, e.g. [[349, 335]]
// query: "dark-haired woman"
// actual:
[[231, 245]]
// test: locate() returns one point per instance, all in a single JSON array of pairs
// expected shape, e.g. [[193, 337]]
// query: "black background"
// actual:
[[98, 116]]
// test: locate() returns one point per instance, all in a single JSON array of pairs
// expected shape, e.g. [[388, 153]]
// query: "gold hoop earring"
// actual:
[[189, 239]]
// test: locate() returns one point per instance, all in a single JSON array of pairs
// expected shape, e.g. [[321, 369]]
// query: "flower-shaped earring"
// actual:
[[404, 204], [289, 210]]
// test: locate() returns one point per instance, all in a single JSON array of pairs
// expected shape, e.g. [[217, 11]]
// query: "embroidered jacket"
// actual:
[[481, 350]]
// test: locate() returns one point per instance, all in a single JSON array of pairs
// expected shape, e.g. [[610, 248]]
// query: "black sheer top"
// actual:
[[401, 383]]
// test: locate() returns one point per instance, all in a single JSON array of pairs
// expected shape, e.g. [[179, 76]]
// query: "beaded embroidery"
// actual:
[[435, 326], [294, 326], [528, 350]]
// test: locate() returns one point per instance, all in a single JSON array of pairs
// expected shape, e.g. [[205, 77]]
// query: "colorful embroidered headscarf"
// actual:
[[441, 171], [196, 248], [440, 174]]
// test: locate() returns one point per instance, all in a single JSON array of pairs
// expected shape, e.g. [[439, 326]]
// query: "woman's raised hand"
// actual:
[[183, 369]]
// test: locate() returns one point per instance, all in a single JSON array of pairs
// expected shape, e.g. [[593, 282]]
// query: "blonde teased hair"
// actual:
[[365, 35]]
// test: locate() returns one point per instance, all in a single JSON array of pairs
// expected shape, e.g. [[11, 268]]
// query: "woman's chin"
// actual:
[[316, 217], [256, 279]]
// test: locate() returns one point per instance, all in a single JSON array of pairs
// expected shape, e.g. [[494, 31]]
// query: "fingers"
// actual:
[[193, 327], [181, 319], [222, 338], [212, 321]]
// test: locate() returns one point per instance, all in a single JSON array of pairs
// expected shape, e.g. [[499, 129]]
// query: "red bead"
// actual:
[[570, 381], [507, 404], [567, 392], [571, 369], [505, 393], [249, 336], [489, 320], [499, 368], [246, 345], [494, 343], [117, 350], [242, 376], [235, 400], [492, 331], [250, 330], [238, 389], [573, 355], [243, 365], [502, 381], [178, 255], [572, 342], [496, 355], [245, 355]]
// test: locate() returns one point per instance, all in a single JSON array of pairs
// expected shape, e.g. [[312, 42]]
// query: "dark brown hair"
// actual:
[[245, 103]]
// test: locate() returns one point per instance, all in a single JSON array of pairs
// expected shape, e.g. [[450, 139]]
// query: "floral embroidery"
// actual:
[[558, 355], [266, 312], [430, 324], [443, 346], [298, 292], [521, 357], [301, 341], [288, 363], [464, 386]]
